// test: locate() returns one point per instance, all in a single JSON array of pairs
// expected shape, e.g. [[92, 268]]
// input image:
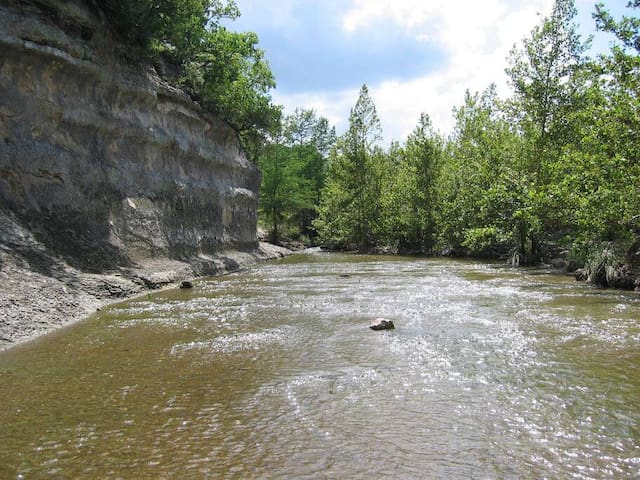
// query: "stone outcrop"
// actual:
[[111, 179], [102, 160]]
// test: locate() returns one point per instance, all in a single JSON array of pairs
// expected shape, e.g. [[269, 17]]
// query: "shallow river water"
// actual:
[[273, 373]]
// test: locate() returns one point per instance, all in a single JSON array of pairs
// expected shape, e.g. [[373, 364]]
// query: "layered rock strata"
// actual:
[[105, 167]]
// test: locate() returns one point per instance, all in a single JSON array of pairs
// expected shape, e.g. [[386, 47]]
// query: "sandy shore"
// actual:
[[35, 300]]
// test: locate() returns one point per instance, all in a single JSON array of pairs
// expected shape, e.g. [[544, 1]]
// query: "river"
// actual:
[[491, 372]]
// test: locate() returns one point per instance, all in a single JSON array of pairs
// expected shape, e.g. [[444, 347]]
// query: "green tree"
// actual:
[[224, 71], [176, 27], [310, 138], [602, 178], [480, 187], [543, 74], [293, 170], [546, 74], [349, 208], [231, 78], [284, 190], [409, 193], [621, 78]]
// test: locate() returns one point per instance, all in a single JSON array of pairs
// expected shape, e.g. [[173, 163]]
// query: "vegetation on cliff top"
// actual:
[[225, 71]]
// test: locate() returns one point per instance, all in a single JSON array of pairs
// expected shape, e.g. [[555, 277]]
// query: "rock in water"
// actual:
[[186, 284], [382, 324]]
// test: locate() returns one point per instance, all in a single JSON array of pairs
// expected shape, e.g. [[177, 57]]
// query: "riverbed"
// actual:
[[491, 372]]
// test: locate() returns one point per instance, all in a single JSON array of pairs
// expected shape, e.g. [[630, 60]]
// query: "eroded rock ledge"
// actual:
[[40, 292]]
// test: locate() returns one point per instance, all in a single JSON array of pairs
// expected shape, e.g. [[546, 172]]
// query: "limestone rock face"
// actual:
[[105, 163]]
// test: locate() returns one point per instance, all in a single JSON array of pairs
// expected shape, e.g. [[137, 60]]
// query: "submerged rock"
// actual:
[[382, 324]]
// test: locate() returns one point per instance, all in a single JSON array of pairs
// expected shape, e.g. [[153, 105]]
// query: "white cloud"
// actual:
[[475, 38], [334, 106], [279, 15]]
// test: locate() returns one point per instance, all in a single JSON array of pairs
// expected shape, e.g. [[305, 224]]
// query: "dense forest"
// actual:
[[551, 171]]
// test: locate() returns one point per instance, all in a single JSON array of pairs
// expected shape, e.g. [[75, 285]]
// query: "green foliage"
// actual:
[[481, 186], [543, 74], [553, 168], [626, 30], [550, 86], [485, 241], [284, 189], [349, 208], [312, 138], [293, 168], [223, 70], [175, 26], [409, 197], [231, 78], [602, 172]]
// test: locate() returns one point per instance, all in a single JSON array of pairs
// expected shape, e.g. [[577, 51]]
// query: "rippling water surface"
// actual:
[[274, 373]]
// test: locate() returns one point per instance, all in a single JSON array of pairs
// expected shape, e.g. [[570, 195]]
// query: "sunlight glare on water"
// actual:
[[273, 373]]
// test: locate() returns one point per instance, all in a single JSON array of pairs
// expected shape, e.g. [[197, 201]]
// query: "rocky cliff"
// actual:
[[103, 165]]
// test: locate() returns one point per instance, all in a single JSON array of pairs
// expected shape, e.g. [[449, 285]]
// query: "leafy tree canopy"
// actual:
[[224, 70], [293, 165]]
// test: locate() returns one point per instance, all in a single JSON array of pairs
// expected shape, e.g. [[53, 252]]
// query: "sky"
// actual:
[[414, 55]]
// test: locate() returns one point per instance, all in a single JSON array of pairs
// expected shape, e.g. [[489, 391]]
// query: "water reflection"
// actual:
[[274, 373]]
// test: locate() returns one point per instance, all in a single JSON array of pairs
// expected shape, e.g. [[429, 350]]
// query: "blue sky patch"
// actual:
[[308, 50]]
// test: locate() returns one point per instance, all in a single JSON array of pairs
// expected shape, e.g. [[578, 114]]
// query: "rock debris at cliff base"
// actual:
[[33, 304]]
